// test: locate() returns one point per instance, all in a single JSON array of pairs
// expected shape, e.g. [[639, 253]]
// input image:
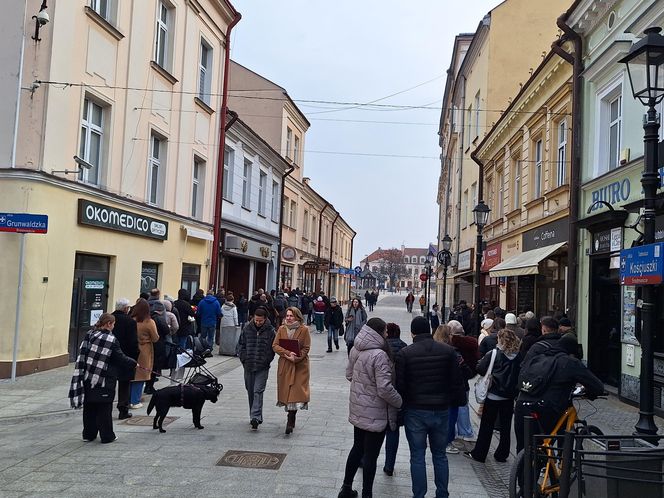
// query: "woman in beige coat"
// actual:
[[293, 371], [146, 332]]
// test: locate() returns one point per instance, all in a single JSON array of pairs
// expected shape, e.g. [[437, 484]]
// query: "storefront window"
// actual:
[[286, 276], [191, 278], [149, 276]]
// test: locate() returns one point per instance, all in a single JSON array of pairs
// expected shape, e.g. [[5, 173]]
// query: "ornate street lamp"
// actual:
[[481, 218], [445, 258], [645, 68], [427, 284]]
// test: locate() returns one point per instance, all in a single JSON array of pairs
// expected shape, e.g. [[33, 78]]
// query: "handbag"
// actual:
[[341, 330], [483, 384]]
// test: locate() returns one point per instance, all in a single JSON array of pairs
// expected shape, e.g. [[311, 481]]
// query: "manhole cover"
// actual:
[[145, 420], [252, 459]]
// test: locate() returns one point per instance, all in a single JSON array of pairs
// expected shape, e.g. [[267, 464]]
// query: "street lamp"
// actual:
[[481, 217], [445, 258], [427, 284], [645, 68]]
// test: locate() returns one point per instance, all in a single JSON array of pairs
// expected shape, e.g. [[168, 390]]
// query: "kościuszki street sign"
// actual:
[[642, 265]]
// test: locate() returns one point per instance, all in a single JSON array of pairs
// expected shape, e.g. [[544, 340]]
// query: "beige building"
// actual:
[[486, 72], [131, 89], [316, 242]]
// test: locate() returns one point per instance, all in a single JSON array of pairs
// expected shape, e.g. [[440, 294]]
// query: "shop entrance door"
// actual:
[[89, 297], [604, 321]]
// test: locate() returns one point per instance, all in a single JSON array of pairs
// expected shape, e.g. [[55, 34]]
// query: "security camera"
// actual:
[[43, 18], [83, 163]]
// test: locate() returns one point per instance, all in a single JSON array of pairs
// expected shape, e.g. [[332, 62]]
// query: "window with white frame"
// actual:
[[464, 214], [305, 224], [246, 184], [422, 260], [561, 158], [105, 8], [205, 73], [275, 200], [500, 185], [156, 167], [406, 259], [516, 184], [610, 129], [284, 212], [314, 229], [92, 134], [615, 129], [537, 180], [296, 150], [473, 197], [293, 214], [469, 124], [477, 115], [197, 188], [289, 142], [163, 42], [262, 191], [229, 159]]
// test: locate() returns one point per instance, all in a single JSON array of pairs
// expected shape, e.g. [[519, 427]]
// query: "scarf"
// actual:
[[290, 329], [91, 364]]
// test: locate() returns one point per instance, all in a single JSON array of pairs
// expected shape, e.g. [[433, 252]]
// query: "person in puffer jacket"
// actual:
[[373, 403]]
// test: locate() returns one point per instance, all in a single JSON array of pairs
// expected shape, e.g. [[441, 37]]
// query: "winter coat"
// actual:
[[467, 347], [242, 309], [396, 345], [518, 331], [334, 316], [125, 333], [504, 375], [488, 343], [253, 304], [293, 301], [373, 401], [172, 322], [229, 317], [293, 377], [208, 311], [355, 320], [528, 340], [185, 311], [319, 306], [147, 335], [254, 347], [162, 350]]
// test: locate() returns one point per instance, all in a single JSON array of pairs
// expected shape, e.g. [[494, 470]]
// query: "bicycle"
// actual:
[[548, 482]]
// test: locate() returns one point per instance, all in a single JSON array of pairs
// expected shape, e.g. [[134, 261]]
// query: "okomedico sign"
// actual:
[[110, 218]]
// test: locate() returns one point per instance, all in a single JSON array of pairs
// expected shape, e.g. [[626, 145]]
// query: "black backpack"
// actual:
[[538, 369]]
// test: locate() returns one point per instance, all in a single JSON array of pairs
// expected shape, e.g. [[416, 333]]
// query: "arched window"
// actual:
[[422, 259], [406, 259]]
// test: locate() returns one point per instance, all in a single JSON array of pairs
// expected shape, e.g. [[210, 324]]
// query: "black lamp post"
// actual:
[[481, 217], [645, 67], [427, 284], [445, 258]]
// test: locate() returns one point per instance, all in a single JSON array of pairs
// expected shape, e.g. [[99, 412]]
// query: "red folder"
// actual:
[[291, 345]]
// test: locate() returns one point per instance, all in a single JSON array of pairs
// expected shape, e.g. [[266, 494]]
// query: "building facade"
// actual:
[[131, 89], [414, 265]]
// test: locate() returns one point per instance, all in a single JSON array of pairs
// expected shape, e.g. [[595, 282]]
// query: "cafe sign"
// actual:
[[546, 235], [110, 218]]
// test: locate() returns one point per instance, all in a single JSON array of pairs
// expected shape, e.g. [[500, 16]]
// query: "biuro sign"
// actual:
[[642, 265], [618, 191]]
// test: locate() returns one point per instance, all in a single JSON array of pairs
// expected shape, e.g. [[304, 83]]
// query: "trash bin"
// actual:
[[228, 339]]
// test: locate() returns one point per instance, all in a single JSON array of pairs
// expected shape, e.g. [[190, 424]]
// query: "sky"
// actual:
[[378, 166]]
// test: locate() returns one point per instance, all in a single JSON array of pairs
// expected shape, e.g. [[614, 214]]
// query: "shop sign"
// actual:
[[99, 215], [315, 266], [607, 241], [546, 235], [465, 260], [237, 245], [642, 265], [491, 256]]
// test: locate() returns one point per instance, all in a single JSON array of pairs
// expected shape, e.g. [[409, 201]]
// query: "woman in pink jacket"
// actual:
[[373, 403]]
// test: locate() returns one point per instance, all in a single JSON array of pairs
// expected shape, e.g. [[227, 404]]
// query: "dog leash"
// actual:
[[160, 375]]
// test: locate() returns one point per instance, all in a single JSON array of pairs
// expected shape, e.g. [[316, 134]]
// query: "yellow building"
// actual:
[[131, 89], [526, 157]]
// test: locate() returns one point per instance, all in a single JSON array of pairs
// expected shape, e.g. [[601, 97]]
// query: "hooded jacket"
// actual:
[[229, 316], [208, 311], [504, 375], [373, 401]]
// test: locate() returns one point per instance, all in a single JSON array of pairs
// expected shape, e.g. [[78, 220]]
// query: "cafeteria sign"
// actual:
[[642, 265]]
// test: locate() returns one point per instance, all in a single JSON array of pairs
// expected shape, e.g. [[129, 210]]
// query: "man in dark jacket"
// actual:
[[334, 320], [209, 311], [429, 380], [255, 351], [187, 317], [125, 332]]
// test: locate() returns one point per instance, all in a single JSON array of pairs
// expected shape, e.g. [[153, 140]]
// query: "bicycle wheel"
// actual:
[[516, 475]]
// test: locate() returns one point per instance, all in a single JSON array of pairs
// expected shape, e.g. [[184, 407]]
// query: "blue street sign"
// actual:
[[23, 223], [358, 270], [642, 265]]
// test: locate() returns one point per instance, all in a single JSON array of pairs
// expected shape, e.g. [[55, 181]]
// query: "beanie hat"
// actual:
[[565, 322], [487, 323], [510, 319], [420, 325]]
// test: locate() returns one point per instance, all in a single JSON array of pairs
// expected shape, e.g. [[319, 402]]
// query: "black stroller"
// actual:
[[197, 374]]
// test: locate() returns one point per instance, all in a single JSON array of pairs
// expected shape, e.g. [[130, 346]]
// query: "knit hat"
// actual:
[[319, 298], [565, 322], [487, 323], [333, 299], [420, 325], [157, 306], [510, 319]]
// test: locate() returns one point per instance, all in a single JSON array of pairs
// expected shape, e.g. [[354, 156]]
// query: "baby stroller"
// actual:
[[193, 359]]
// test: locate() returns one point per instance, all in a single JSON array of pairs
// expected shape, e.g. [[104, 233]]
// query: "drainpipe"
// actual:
[[350, 277], [281, 224], [219, 189], [329, 278], [575, 179], [462, 137], [320, 241]]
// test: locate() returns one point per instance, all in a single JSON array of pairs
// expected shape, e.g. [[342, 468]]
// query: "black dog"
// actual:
[[185, 395]]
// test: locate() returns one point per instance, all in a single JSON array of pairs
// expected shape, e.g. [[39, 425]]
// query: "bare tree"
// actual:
[[391, 264]]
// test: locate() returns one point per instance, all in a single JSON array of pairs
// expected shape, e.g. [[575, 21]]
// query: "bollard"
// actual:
[[566, 464], [528, 456]]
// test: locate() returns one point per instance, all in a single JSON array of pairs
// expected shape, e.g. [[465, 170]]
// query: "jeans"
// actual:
[[318, 320], [420, 426], [453, 416], [365, 450], [501, 409], [136, 392], [391, 447], [182, 342], [255, 383], [463, 425], [332, 335], [208, 333]]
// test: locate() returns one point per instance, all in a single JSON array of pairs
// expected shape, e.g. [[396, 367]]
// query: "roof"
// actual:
[[415, 251]]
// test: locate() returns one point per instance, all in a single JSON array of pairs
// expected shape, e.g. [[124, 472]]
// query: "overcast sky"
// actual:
[[362, 51]]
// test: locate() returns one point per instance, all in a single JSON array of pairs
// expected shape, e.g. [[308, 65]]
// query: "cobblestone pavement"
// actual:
[[41, 452]]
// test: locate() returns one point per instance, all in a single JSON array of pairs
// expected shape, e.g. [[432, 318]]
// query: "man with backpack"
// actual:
[[549, 374]]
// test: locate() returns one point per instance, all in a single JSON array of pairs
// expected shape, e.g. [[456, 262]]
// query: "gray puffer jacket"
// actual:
[[374, 401]]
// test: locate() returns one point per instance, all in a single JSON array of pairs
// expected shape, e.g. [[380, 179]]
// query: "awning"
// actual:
[[525, 263], [198, 234]]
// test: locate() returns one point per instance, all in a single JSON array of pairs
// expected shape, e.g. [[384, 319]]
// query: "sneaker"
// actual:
[[136, 406], [87, 440], [451, 450], [469, 439], [254, 424], [124, 415]]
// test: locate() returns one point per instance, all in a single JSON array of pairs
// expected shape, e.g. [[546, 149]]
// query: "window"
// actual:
[[197, 188], [296, 151], [422, 259], [92, 133], [615, 125], [406, 259], [275, 200], [477, 115], [156, 165], [149, 276], [293, 214], [105, 8], [262, 187], [537, 180], [305, 224], [246, 184], [191, 277], [284, 212], [469, 117], [517, 185], [314, 229], [289, 141], [500, 185], [610, 129], [229, 159], [205, 73], [464, 213], [473, 196], [561, 161], [162, 50]]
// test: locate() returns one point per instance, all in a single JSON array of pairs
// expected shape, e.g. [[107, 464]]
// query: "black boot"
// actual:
[[124, 413], [329, 345], [347, 492], [290, 424], [336, 344]]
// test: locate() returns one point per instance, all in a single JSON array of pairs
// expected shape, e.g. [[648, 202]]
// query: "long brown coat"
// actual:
[[147, 335], [293, 377]]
